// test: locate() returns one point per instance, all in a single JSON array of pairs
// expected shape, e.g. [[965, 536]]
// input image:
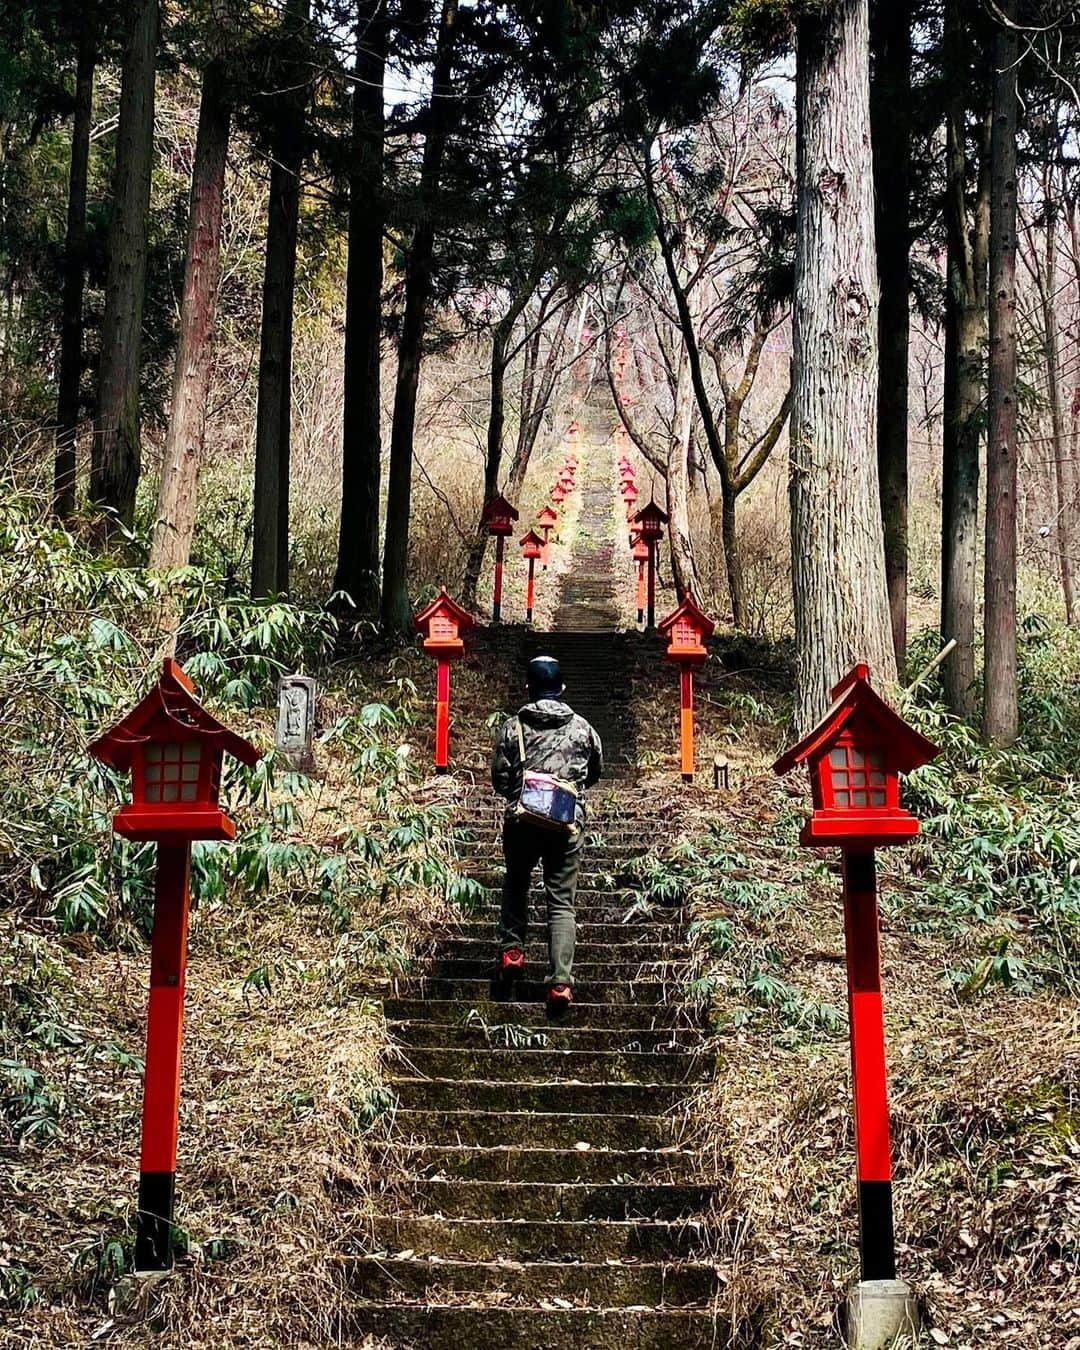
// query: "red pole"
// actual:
[[652, 585], [164, 1036], [641, 590], [686, 722], [547, 545], [442, 712], [531, 591], [877, 1252], [496, 605]]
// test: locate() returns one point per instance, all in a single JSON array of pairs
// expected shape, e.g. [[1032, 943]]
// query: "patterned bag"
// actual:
[[545, 800]]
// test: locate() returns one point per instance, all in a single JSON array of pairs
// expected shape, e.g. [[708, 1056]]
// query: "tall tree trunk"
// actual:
[[732, 562], [838, 566], [684, 572], [1000, 713], [1062, 493], [492, 460], [361, 459], [273, 417], [174, 526], [396, 610], [115, 457], [69, 373], [890, 117], [965, 333]]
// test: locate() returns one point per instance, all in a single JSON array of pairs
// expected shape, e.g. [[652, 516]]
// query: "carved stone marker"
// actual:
[[296, 720]]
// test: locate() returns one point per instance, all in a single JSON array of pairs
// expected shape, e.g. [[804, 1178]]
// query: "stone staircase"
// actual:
[[549, 1198]]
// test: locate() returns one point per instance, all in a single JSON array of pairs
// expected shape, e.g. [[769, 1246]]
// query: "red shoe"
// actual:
[[559, 999], [511, 964]]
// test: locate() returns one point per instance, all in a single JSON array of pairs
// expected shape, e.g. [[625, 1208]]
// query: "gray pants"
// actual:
[[525, 845]]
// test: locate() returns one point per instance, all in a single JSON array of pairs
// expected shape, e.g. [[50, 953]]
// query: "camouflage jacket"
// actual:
[[557, 741]]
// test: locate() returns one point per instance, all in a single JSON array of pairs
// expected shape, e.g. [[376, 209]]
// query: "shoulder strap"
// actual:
[[521, 742]]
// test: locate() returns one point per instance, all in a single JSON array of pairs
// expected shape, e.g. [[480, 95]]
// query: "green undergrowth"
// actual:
[[334, 886]]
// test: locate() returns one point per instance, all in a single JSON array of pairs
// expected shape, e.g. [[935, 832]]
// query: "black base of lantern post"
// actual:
[[877, 1244], [153, 1226], [688, 777], [442, 768]]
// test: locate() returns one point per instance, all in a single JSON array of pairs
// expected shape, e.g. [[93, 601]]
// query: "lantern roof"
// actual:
[[690, 610], [445, 604], [498, 507], [532, 538], [650, 514], [169, 708], [547, 516], [629, 490], [854, 698]]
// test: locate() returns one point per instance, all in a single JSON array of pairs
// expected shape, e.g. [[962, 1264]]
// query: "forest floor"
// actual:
[[287, 1100]]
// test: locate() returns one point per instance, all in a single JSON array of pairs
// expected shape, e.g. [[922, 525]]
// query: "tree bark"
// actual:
[[965, 333], [361, 458], [492, 459], [174, 526], [740, 617], [1047, 285], [684, 572], [115, 458], [838, 567], [890, 117], [270, 548], [396, 610], [1000, 712], [69, 372]]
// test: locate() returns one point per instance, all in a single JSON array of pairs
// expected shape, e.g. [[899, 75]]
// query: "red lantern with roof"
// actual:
[[499, 517], [687, 628], [174, 750], [546, 520], [650, 522], [443, 623], [856, 755], [558, 494], [532, 547]]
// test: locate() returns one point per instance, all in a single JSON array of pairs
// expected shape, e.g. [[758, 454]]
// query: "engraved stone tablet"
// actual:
[[296, 720]]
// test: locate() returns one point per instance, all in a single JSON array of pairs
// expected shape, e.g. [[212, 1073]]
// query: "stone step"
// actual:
[[508, 1163], [548, 1065], [541, 1200], [585, 952], [476, 991], [455, 1325], [529, 1012], [588, 973], [510, 1035], [607, 907], [452, 1094], [648, 933], [674, 1284], [539, 1240], [535, 1129]]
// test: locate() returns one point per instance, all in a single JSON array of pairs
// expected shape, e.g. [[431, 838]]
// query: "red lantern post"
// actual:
[[650, 522], [532, 547], [499, 517], [630, 495], [686, 629], [640, 553], [174, 749], [856, 755], [546, 520], [442, 623], [558, 494]]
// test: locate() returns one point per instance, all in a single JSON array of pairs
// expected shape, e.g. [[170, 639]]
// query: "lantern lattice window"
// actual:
[[858, 778], [171, 771]]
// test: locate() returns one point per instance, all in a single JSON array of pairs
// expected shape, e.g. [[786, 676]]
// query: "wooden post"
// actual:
[[877, 1250], [651, 621], [686, 722], [531, 592], [496, 604], [164, 1037], [641, 590], [442, 712]]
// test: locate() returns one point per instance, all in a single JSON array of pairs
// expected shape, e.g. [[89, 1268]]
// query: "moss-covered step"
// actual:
[[466, 1125], [589, 1066], [509, 1163], [537, 1240], [555, 1200], [447, 1094]]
